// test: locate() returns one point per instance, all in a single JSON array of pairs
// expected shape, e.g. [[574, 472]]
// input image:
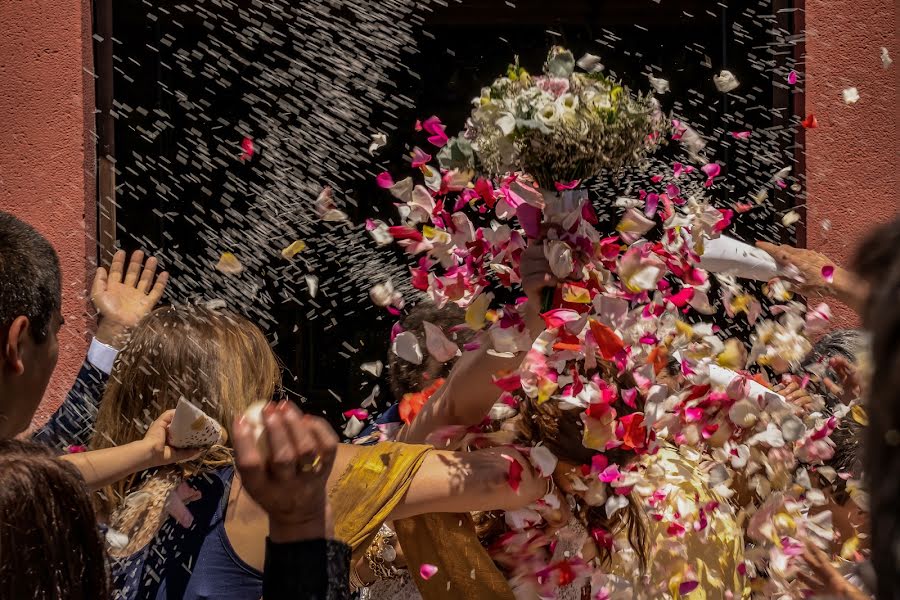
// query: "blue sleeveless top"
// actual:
[[196, 563]]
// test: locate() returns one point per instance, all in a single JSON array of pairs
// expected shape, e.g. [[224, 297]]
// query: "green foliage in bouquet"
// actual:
[[558, 127]]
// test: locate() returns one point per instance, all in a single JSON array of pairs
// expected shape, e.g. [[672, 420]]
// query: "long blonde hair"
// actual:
[[215, 359]]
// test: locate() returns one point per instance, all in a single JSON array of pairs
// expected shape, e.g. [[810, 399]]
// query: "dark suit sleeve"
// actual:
[[313, 570], [73, 423]]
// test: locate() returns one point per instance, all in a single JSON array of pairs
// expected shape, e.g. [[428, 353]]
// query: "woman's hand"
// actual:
[[825, 579], [535, 272], [123, 297], [289, 481], [159, 452], [793, 393]]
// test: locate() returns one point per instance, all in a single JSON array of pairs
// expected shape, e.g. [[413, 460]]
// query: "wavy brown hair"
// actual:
[[50, 546], [216, 359], [561, 431]]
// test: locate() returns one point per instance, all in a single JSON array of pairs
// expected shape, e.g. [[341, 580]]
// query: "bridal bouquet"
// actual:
[[559, 127]]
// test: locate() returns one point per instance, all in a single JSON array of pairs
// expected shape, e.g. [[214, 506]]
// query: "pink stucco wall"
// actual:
[[47, 154], [851, 158]]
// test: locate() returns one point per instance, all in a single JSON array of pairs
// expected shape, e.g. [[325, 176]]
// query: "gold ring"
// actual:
[[313, 466]]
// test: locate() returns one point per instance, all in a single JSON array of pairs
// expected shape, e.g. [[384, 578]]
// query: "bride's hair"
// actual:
[[561, 432]]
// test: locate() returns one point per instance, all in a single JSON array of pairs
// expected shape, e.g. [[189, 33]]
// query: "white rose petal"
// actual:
[[660, 86], [614, 504], [406, 346], [559, 255], [726, 81], [590, 63], [353, 427], [851, 95], [382, 294], [379, 140], [543, 460], [373, 368], [885, 58], [438, 345]]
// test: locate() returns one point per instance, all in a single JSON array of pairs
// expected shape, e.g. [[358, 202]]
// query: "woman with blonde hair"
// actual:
[[191, 531]]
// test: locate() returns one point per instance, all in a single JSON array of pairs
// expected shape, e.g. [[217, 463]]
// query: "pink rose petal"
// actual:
[[687, 587], [436, 131], [419, 157], [384, 180], [828, 273], [427, 571], [792, 77]]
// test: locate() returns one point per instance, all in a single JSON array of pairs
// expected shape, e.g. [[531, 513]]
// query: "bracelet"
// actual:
[[381, 554], [356, 582], [551, 486]]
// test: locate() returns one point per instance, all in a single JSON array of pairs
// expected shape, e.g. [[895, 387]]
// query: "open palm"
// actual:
[[126, 296]]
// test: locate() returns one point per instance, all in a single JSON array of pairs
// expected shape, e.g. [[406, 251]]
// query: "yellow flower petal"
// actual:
[[294, 249], [860, 415], [576, 295], [229, 264]]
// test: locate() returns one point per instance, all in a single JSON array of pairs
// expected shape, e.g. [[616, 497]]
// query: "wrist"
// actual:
[[317, 524], [111, 333], [149, 457]]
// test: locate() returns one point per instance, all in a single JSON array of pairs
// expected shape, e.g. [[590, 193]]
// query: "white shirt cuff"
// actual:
[[102, 356]]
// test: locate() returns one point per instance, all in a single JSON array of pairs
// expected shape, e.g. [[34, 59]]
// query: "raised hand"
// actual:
[[287, 473], [123, 296], [825, 579], [807, 276]]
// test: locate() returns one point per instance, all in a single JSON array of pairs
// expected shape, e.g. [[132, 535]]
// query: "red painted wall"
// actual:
[[851, 158], [47, 154]]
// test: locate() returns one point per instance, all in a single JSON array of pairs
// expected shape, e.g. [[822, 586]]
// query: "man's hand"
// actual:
[[289, 481], [808, 278], [123, 297]]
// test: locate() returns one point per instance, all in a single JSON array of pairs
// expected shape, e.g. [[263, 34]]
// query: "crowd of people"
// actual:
[[98, 503]]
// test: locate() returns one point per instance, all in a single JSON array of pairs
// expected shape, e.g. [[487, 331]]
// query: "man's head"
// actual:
[[30, 300]]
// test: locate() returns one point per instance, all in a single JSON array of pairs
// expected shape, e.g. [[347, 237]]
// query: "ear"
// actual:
[[17, 336]]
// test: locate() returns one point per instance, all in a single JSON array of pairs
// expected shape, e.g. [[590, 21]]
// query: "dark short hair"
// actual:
[[30, 278], [50, 545], [405, 377]]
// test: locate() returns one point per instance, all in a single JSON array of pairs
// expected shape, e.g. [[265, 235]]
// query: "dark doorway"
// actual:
[[191, 80]]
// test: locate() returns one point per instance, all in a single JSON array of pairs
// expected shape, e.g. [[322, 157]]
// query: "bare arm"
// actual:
[[103, 467], [844, 286], [459, 482], [469, 392]]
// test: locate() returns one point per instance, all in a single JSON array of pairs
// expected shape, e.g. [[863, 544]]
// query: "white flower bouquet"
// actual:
[[560, 127]]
